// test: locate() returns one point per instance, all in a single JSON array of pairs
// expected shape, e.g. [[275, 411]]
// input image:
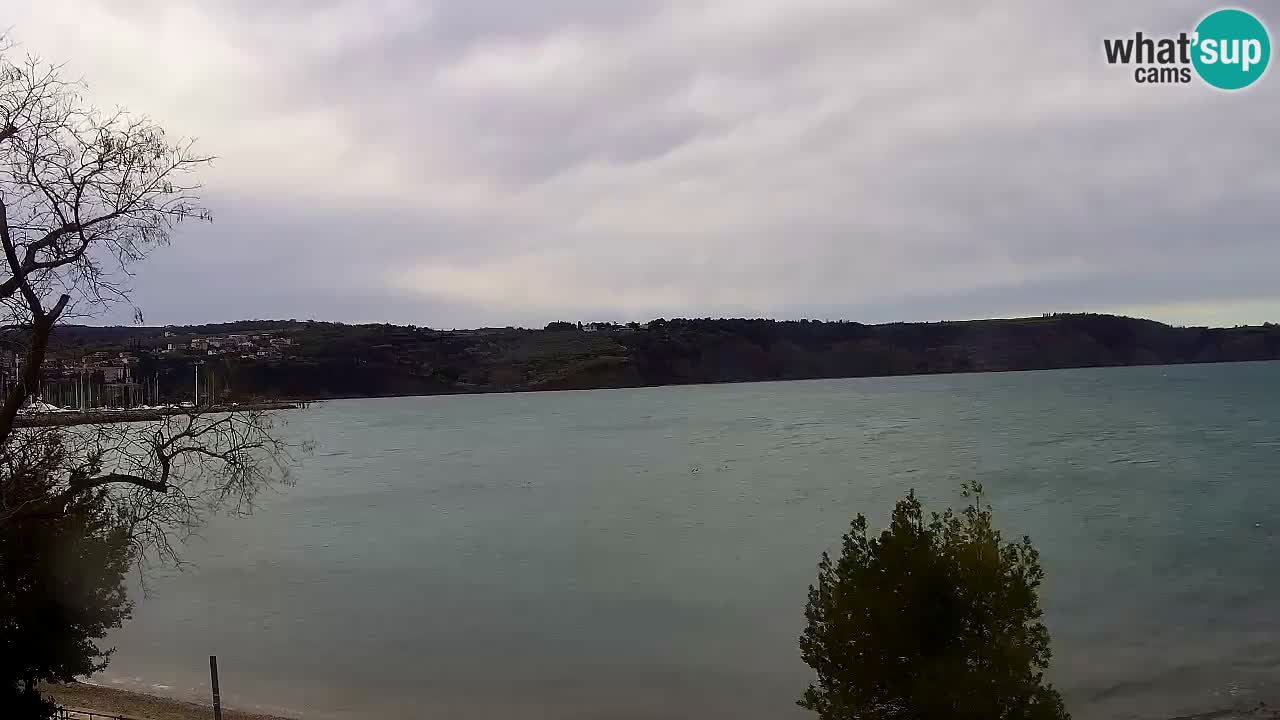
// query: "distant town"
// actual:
[[257, 345], [75, 379]]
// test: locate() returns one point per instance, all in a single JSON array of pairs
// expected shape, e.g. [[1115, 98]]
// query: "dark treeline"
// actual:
[[336, 360]]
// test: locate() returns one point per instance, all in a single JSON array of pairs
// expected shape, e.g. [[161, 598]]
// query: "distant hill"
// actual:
[[337, 360]]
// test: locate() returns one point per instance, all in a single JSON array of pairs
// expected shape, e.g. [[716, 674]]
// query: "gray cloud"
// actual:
[[487, 162]]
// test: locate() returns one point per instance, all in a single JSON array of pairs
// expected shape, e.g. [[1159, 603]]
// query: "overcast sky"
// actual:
[[493, 162]]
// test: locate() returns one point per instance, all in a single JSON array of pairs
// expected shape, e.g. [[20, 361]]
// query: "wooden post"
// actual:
[[217, 699]]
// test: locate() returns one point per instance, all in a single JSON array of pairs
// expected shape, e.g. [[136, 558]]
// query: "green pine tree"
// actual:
[[935, 619]]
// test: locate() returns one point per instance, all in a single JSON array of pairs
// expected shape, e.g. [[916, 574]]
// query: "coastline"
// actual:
[[101, 416], [140, 706], [553, 388]]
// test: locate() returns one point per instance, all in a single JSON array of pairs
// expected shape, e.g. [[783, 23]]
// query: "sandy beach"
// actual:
[[110, 701], [138, 706]]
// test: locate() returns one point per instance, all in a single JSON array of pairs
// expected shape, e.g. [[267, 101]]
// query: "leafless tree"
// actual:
[[84, 195], [164, 478]]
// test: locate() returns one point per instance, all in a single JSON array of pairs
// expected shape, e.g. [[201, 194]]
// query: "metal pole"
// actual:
[[197, 385], [217, 698]]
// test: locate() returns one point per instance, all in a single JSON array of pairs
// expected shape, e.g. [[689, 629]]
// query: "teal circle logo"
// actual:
[[1232, 49]]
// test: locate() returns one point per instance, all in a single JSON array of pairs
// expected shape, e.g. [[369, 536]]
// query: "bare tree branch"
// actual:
[[84, 195], [75, 488]]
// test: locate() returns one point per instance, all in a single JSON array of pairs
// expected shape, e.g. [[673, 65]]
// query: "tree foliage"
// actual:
[[937, 618], [60, 579]]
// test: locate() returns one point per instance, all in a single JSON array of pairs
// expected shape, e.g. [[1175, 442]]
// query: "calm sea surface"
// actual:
[[645, 553]]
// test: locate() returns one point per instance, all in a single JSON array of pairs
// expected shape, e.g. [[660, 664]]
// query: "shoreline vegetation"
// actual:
[[324, 360]]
